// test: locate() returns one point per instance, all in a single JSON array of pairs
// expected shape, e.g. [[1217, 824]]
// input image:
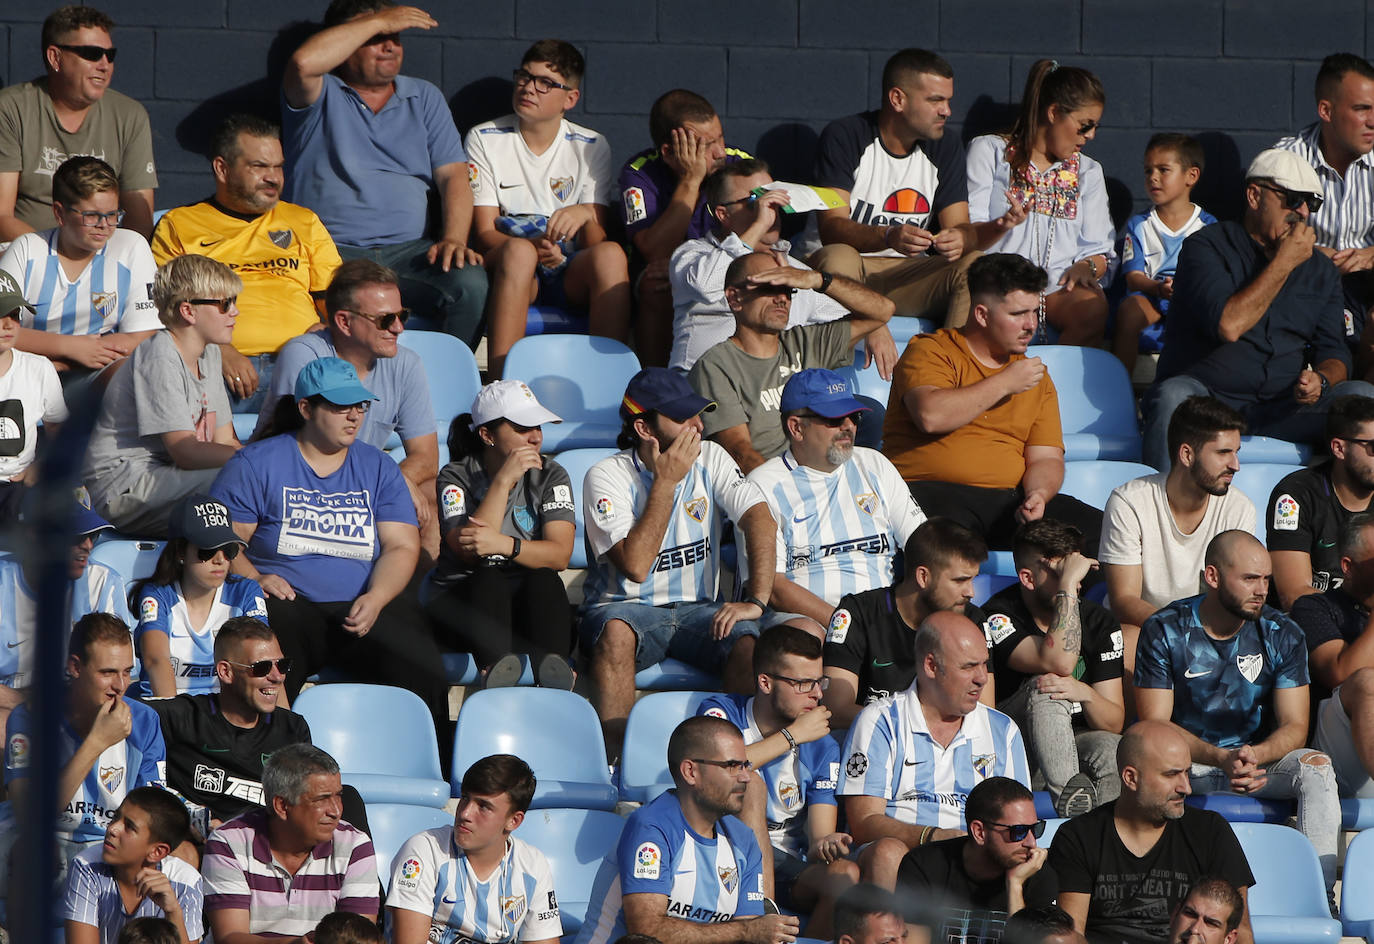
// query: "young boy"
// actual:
[[29, 392], [472, 880], [132, 874], [1173, 164], [541, 191]]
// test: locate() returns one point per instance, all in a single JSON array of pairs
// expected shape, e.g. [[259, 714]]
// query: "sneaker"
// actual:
[[504, 672], [1078, 796], [553, 671]]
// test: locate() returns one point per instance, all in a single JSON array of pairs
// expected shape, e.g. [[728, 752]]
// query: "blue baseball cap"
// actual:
[[85, 519], [334, 379], [821, 391], [663, 391]]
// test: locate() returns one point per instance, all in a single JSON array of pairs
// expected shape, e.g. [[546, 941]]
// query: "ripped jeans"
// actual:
[[1055, 749]]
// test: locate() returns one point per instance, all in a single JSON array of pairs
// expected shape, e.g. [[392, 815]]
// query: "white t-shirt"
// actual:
[[1138, 528], [506, 174], [113, 292], [29, 391]]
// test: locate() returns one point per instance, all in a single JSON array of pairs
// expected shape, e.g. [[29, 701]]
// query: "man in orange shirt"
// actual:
[[973, 424]]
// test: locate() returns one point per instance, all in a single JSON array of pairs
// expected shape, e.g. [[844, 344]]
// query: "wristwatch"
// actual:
[[763, 607], [826, 279]]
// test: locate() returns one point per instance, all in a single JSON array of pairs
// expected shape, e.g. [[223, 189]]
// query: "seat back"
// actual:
[[451, 371], [392, 824], [132, 560], [372, 729], [1092, 481], [580, 378], [1357, 884], [985, 585], [644, 759], [576, 462], [557, 733], [1288, 877], [1257, 480], [1096, 402], [575, 842]]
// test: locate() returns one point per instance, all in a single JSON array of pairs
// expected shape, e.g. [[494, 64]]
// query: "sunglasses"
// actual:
[[542, 83], [207, 554], [733, 766], [90, 53], [384, 320], [1017, 832], [748, 199], [263, 667], [834, 422], [223, 304], [1087, 128], [1292, 199]]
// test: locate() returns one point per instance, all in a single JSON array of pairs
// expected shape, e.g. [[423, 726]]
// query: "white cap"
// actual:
[[1287, 170], [510, 400]]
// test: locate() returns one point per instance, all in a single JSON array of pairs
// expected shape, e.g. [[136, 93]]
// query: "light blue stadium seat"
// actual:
[[1235, 808], [1092, 481], [460, 668], [985, 585], [1044, 804], [904, 329], [1052, 825], [580, 378], [644, 759], [244, 424], [548, 319], [451, 371], [1357, 813], [1265, 449], [1257, 480], [1357, 887], [866, 381], [556, 732], [133, 560], [392, 824], [672, 675], [576, 462], [1287, 902], [575, 842], [382, 738], [998, 562], [1096, 402]]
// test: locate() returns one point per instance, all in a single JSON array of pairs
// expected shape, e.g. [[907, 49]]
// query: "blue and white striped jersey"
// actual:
[[113, 293], [890, 753], [1152, 248], [838, 532], [432, 876], [92, 896], [162, 609], [688, 566], [706, 880], [795, 780], [1346, 217]]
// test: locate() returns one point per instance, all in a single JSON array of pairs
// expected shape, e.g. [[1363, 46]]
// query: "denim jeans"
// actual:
[[450, 301], [1055, 750]]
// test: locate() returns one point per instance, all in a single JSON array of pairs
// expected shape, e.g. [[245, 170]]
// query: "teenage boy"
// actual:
[[1173, 164], [133, 874], [29, 392], [472, 881], [541, 189]]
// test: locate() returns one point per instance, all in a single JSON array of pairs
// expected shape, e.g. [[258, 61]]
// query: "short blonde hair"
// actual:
[[183, 278]]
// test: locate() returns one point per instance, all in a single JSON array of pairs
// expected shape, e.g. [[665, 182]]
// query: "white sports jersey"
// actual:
[[1151, 247], [688, 566], [113, 293], [29, 392], [98, 590], [837, 532], [505, 173], [162, 609], [890, 753], [432, 876]]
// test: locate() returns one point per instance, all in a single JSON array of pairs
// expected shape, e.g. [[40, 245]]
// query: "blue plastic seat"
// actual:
[[549, 319], [1357, 813], [575, 842], [1235, 808], [1052, 825], [557, 733], [382, 738], [576, 462], [644, 758], [392, 824], [985, 585], [1092, 482], [1288, 901], [672, 675], [580, 378], [1096, 402], [1266, 449], [998, 562], [133, 560], [904, 328], [451, 371], [1257, 481], [244, 424], [1357, 887], [866, 381]]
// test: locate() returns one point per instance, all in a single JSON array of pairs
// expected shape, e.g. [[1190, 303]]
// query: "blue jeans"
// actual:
[[450, 301], [264, 364], [680, 630]]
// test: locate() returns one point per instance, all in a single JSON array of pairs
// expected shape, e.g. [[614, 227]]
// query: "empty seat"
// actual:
[[1096, 402], [392, 824], [644, 758], [575, 842], [580, 378], [672, 675], [132, 560], [1267, 449], [1092, 481], [985, 585], [451, 371], [1288, 901], [1357, 887]]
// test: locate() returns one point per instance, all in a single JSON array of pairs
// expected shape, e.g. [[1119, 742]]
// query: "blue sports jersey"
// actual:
[[137, 761], [706, 880], [162, 609], [795, 780], [98, 590], [1223, 688], [1152, 248]]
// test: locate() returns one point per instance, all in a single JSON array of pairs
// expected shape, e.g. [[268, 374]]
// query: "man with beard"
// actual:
[[1211, 914], [1231, 673], [967, 886], [842, 511], [1125, 866], [686, 869], [1308, 508], [282, 252]]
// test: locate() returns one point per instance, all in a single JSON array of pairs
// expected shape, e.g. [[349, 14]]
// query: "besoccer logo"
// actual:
[[410, 868]]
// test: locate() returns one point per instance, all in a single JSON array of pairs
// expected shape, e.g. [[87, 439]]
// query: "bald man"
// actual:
[[1124, 867], [1231, 672]]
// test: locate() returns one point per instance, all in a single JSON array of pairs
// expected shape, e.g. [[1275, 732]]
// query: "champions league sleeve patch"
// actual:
[[857, 764], [336, 524], [1286, 511]]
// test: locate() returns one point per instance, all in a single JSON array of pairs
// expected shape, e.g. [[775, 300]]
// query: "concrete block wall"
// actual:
[[1237, 72]]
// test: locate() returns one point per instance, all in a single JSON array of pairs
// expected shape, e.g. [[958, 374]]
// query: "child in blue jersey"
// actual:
[[792, 808], [1173, 164], [189, 597]]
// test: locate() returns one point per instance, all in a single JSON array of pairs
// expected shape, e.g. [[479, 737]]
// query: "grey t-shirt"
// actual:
[[748, 389], [154, 392], [34, 143]]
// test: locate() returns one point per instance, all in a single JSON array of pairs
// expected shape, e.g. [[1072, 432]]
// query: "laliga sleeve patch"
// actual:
[[998, 627], [856, 765], [147, 610], [634, 205], [646, 861], [17, 752], [715, 713], [838, 630], [1128, 249], [453, 501], [410, 874], [1286, 512], [605, 508]]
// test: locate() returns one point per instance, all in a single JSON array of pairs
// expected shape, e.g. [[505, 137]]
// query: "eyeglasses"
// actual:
[[1368, 445], [207, 554], [90, 53], [263, 667], [383, 320], [92, 219], [733, 766], [342, 408], [834, 422], [749, 289], [542, 83], [1088, 127], [803, 686], [223, 304], [1292, 199], [1017, 832]]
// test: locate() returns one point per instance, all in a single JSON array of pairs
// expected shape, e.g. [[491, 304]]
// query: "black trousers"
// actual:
[[992, 512], [499, 610]]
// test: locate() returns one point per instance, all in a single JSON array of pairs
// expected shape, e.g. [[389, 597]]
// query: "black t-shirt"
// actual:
[[1009, 621], [937, 892], [867, 636], [1131, 898], [1323, 617], [218, 764], [1305, 515]]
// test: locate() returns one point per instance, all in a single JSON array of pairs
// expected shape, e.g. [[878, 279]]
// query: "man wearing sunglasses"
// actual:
[[72, 111], [965, 888], [1257, 317]]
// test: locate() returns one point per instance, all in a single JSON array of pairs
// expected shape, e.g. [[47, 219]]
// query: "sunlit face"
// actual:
[[788, 703], [72, 76], [376, 63], [947, 587], [1166, 178], [103, 676], [1268, 218], [737, 212], [128, 838], [1008, 322], [316, 815], [1350, 114], [483, 820], [257, 693], [75, 234], [762, 308], [1200, 920], [712, 134], [717, 789], [371, 304], [213, 323], [252, 182], [1068, 131], [926, 105], [1242, 584], [1162, 782], [960, 671], [997, 839], [203, 575], [1216, 463], [533, 105]]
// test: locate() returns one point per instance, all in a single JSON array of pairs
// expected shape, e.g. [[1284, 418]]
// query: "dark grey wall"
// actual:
[[1239, 70]]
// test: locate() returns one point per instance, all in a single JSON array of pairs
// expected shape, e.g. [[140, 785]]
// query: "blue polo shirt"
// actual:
[[1264, 363], [368, 175]]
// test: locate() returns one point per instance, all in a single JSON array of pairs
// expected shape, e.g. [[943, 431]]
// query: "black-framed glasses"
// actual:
[[383, 320], [751, 289], [263, 667], [1368, 444], [542, 83], [207, 554], [733, 766], [223, 304], [1016, 832], [1292, 199], [803, 686], [748, 199], [90, 53], [93, 218], [834, 422]]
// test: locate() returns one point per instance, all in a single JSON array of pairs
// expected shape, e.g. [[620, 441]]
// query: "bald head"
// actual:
[[746, 265], [1143, 739], [941, 631], [1227, 546]]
